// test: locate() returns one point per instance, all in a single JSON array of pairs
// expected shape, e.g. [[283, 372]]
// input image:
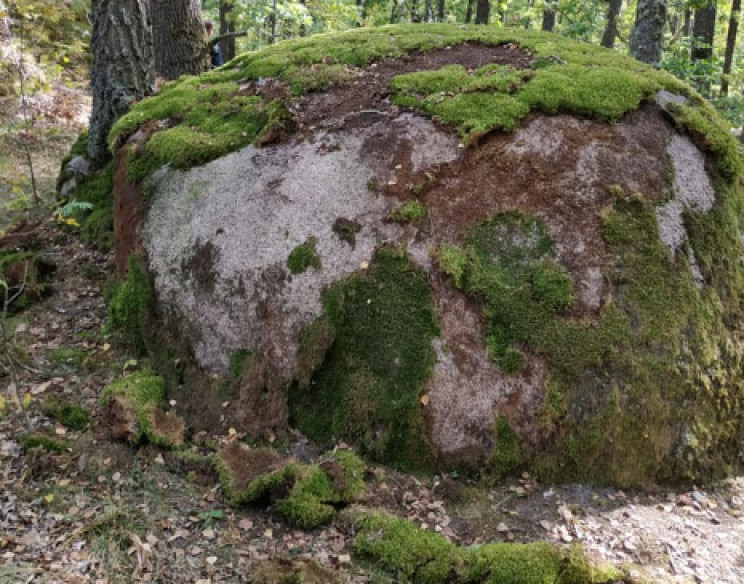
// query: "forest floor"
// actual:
[[102, 511]]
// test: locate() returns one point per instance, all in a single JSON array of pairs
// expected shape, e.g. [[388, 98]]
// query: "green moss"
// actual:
[[367, 389], [508, 263], [139, 398], [97, 221], [239, 361], [129, 306], [68, 355], [209, 115], [31, 441], [304, 257], [408, 212], [306, 494], [69, 415], [423, 557], [507, 456]]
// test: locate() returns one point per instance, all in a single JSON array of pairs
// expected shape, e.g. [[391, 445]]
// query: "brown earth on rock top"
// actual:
[[369, 88], [128, 213], [166, 425]]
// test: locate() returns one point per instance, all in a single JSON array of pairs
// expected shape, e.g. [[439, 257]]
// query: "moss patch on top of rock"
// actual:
[[223, 110], [379, 326], [420, 556]]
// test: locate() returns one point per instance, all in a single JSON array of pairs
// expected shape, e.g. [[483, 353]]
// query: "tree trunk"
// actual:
[[703, 31], [610, 32], [429, 11], [482, 11], [733, 28], [648, 35], [440, 10], [469, 12], [122, 66], [687, 22], [227, 25], [549, 12], [178, 37], [273, 22]]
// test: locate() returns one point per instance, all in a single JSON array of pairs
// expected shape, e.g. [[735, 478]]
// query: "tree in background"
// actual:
[[733, 28], [482, 11], [646, 40], [122, 66], [549, 14], [178, 38], [611, 28], [227, 25]]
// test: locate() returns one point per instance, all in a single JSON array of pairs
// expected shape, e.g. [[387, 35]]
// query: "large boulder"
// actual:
[[450, 246]]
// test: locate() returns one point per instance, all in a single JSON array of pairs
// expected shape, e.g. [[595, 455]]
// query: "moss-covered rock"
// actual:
[[306, 494], [135, 411], [530, 259]]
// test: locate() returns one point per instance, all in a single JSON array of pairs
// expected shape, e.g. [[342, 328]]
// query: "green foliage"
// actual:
[[367, 388], [129, 306], [419, 556], [304, 256], [91, 205], [31, 441], [69, 415], [408, 212]]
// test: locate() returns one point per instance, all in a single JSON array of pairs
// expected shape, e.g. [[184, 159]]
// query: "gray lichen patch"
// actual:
[[258, 205], [693, 191]]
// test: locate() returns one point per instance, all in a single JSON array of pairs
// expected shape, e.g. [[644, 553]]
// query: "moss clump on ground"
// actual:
[[303, 257], [419, 556], [129, 306], [379, 355], [306, 494], [31, 441], [408, 212], [69, 415], [218, 112], [135, 410]]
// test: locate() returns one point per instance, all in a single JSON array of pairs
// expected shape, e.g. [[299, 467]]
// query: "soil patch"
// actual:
[[245, 465], [369, 91]]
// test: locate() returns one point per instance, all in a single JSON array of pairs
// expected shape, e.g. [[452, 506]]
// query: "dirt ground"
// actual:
[[104, 512]]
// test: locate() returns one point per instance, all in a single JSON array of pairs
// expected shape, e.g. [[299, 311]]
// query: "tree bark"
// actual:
[[428, 11], [227, 25], [647, 37], [178, 38], [687, 22], [733, 29], [482, 11], [469, 12], [122, 67], [548, 17], [703, 31], [610, 32], [440, 10]]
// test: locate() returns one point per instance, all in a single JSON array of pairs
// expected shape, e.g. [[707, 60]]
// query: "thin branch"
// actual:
[[227, 35]]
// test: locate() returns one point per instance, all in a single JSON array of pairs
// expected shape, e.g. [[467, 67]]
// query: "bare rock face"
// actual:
[[564, 297]]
